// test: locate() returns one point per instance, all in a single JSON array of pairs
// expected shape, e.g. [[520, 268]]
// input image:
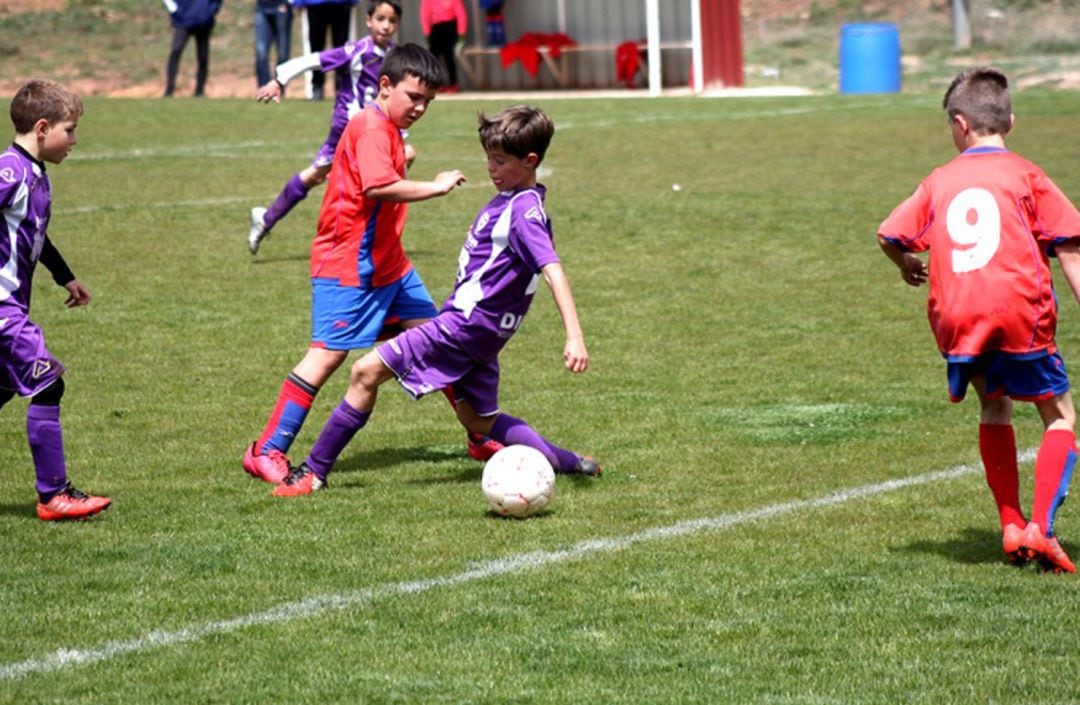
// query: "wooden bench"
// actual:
[[472, 59]]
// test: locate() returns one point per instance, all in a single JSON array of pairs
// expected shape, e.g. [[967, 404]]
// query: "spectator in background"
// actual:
[[323, 15], [190, 18], [273, 26], [443, 23], [493, 20]]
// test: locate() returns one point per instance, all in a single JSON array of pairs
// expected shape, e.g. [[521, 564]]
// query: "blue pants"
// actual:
[[273, 26]]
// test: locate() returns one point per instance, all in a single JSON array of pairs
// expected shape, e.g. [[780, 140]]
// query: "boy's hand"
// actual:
[[448, 180], [576, 356], [78, 294], [912, 269], [270, 92]]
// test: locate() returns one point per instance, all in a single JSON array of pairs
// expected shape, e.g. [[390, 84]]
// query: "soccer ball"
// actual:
[[518, 481]]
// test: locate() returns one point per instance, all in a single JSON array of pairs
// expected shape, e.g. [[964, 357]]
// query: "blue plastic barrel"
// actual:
[[870, 58]]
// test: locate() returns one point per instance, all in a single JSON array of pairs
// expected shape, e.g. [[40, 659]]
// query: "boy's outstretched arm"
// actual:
[[1068, 254], [575, 355], [912, 269], [284, 73], [409, 191]]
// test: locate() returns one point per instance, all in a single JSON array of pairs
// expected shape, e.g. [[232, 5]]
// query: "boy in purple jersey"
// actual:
[[364, 59], [506, 251], [45, 115]]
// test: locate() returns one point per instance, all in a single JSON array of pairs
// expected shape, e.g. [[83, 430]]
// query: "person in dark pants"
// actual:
[[190, 18], [443, 22], [323, 15], [273, 27]]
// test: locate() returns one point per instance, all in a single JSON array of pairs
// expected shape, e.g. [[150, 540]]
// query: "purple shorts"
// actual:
[[350, 318], [1021, 377], [26, 366], [426, 359], [325, 156]]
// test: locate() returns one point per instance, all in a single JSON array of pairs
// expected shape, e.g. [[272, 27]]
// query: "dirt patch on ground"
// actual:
[[9, 8]]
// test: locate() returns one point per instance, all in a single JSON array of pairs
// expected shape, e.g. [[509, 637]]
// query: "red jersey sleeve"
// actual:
[[1054, 217], [910, 221]]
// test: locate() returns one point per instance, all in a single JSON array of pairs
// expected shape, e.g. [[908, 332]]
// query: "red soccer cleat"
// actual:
[[70, 503], [1045, 550], [270, 467], [1012, 540], [481, 448], [300, 481]]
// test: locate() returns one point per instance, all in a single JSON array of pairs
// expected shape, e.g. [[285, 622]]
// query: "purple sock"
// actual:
[[510, 431], [47, 449], [293, 193], [342, 425]]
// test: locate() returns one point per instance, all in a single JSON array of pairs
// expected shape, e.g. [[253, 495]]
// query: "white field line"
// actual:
[[314, 606], [203, 202], [249, 149]]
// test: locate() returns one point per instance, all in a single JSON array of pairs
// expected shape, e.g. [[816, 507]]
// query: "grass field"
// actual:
[[791, 510]]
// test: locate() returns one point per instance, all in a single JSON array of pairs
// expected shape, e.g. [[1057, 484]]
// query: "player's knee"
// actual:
[[367, 372], [51, 395]]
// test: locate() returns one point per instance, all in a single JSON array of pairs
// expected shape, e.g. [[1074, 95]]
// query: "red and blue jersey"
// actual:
[[358, 242], [990, 220]]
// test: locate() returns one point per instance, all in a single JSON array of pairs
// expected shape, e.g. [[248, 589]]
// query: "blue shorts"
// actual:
[[426, 359], [26, 365], [349, 317], [1021, 377]]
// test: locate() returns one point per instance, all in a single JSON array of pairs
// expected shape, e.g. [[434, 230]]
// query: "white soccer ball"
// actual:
[[518, 481]]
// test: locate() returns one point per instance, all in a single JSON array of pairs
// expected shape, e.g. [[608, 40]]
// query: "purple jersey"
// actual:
[[498, 271], [363, 59], [25, 201]]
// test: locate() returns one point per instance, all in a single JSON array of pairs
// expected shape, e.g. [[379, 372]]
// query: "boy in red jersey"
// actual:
[[361, 278], [992, 220]]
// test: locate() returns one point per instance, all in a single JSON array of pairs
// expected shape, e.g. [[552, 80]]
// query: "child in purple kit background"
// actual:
[[45, 115], [508, 248], [364, 59]]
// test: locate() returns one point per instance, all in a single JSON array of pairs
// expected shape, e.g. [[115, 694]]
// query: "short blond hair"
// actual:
[[41, 98]]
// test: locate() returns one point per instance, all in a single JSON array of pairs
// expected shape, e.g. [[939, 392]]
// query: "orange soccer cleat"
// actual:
[[1012, 542], [300, 481], [70, 503], [1045, 550]]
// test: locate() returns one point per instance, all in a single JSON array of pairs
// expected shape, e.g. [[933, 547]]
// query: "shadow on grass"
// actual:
[[468, 470], [971, 546], [25, 509]]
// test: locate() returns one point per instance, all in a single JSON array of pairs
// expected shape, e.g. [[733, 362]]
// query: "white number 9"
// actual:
[[974, 224]]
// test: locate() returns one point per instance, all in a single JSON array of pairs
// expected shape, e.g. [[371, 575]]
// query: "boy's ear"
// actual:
[[1012, 123], [384, 85], [41, 128], [532, 159]]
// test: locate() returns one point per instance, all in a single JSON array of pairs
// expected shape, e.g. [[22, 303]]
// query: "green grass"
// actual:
[[752, 353]]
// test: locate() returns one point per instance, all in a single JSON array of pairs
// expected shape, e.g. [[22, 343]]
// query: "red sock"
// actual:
[[475, 438], [1053, 471], [997, 446]]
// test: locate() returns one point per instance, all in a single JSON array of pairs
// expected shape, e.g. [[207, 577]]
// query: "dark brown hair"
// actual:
[[981, 95], [517, 130], [42, 98]]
